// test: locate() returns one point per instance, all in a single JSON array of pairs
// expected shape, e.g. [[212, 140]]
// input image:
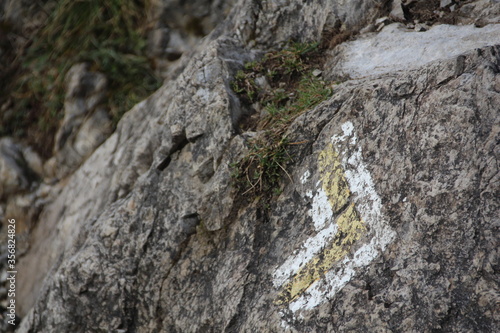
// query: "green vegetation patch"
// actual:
[[282, 85], [110, 35]]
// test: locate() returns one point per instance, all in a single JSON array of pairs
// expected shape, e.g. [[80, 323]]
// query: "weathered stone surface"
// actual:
[[139, 148], [178, 28], [397, 10], [272, 23], [440, 220], [18, 167], [396, 48], [192, 17], [479, 12], [390, 222], [86, 123]]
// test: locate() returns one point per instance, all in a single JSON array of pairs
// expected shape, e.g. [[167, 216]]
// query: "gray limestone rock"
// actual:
[[388, 222], [19, 167], [178, 28], [86, 123], [396, 48], [397, 10]]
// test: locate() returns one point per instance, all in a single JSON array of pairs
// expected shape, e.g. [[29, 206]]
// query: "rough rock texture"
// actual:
[[20, 193], [390, 222], [17, 167], [179, 26], [86, 123], [397, 48]]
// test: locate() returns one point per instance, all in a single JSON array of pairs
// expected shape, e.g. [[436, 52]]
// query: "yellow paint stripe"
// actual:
[[332, 178], [351, 229]]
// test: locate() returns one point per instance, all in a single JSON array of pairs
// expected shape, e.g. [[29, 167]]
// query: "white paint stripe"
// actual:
[[347, 128], [335, 280], [321, 211], [369, 206], [368, 202], [309, 249], [322, 289]]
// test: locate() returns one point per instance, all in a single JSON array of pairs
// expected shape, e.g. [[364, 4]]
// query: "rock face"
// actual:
[[179, 26], [386, 222], [378, 53], [17, 165], [86, 123]]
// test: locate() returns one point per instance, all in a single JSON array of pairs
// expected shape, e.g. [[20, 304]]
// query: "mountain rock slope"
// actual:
[[386, 219]]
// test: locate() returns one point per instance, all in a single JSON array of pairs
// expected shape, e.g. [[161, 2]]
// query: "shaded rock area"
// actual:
[[178, 28], [445, 11], [386, 219], [17, 167], [86, 123]]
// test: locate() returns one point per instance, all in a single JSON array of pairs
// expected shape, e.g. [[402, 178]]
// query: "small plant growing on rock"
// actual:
[[284, 87], [261, 168]]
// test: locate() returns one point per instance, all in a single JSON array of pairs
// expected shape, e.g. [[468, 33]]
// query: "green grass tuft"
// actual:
[[292, 91]]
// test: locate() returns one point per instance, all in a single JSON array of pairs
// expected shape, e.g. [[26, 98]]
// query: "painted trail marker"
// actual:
[[346, 212]]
